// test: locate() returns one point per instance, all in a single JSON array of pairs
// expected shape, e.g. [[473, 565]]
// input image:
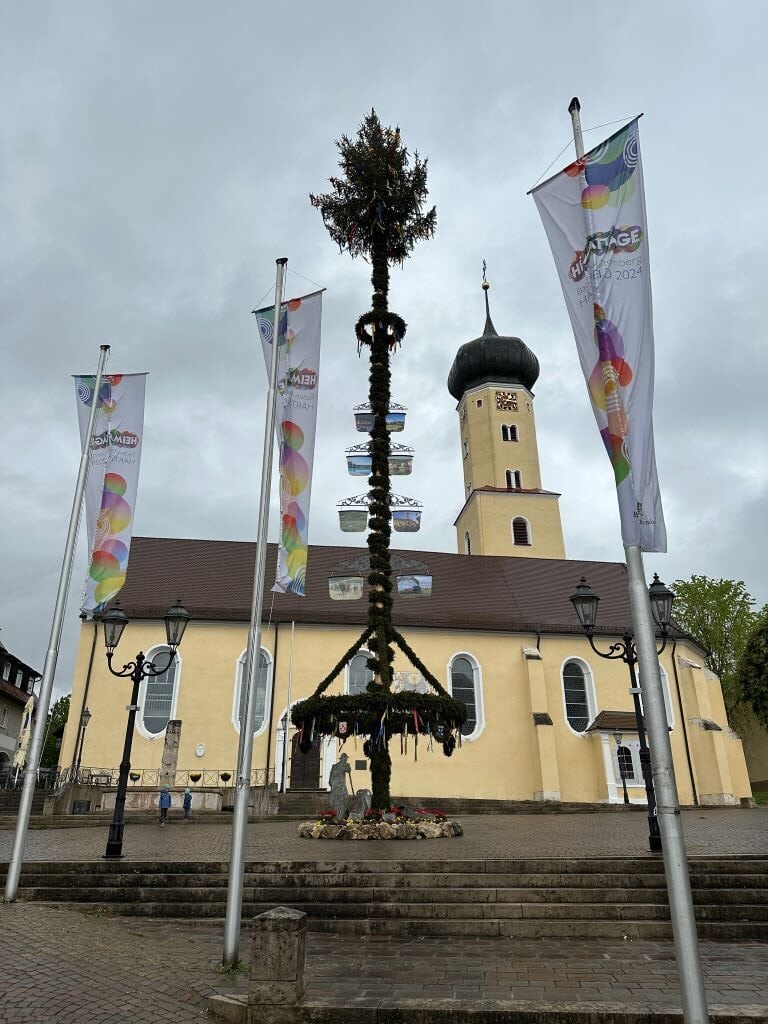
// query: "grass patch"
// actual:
[[761, 799], [239, 968]]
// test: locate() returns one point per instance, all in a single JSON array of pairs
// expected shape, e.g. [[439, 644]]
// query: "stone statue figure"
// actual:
[[338, 781]]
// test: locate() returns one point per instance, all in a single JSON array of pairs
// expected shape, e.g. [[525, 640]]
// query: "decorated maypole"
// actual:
[[375, 209]]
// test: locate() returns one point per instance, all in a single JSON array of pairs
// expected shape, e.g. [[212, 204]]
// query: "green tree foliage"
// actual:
[[719, 615], [57, 716], [752, 669]]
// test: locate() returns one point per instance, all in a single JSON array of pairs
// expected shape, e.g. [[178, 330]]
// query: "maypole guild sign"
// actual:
[[113, 479], [594, 216], [298, 376]]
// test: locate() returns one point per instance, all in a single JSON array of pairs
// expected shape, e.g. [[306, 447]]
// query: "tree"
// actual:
[[752, 669], [57, 717], [719, 615], [376, 210]]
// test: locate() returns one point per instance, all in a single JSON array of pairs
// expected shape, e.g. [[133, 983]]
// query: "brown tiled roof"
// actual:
[[214, 580], [9, 690], [609, 721]]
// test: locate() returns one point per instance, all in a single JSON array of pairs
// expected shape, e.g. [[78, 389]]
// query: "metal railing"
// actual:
[[13, 778], [138, 777]]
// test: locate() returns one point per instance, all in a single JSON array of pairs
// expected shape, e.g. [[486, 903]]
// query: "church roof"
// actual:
[[492, 359], [214, 580]]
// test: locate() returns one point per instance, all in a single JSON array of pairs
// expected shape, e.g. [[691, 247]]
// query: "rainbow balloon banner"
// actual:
[[298, 377], [594, 216], [113, 479]]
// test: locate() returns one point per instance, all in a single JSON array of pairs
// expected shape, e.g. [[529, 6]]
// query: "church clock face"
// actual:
[[506, 401]]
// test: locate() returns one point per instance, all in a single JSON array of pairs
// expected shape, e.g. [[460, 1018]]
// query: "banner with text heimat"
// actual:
[[113, 478], [298, 376], [594, 216]]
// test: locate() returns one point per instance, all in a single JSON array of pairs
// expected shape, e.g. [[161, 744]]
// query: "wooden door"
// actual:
[[305, 768]]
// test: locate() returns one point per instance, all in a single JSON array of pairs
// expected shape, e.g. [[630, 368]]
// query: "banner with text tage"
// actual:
[[594, 216], [113, 479], [298, 376]]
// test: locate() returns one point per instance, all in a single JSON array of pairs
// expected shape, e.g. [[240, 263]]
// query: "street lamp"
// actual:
[[620, 762], [585, 601], [85, 718], [115, 621]]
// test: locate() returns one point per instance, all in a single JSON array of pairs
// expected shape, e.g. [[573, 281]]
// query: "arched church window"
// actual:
[[467, 544], [514, 479], [358, 673], [624, 763], [509, 432], [464, 674], [521, 531], [577, 694], [159, 693], [263, 687]]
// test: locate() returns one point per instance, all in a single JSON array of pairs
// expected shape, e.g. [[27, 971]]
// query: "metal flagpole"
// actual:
[[691, 979], [686, 940], [245, 752], [52, 655], [287, 713]]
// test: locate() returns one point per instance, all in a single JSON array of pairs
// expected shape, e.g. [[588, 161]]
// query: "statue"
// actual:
[[338, 781]]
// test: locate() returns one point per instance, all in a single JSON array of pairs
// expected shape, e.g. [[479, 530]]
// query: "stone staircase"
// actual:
[[552, 898], [11, 798]]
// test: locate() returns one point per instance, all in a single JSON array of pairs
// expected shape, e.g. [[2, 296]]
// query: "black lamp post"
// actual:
[[585, 601], [85, 718], [620, 761], [115, 621]]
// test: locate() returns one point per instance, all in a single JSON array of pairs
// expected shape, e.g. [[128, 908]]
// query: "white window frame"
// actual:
[[367, 654], [517, 480], [477, 679], [510, 429], [142, 729], [530, 532], [239, 669], [589, 686], [668, 706], [6, 670]]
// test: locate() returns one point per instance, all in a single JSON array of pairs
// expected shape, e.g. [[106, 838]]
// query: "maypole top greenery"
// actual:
[[376, 211]]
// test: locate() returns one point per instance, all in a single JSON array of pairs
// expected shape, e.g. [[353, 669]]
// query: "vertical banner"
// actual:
[[594, 215], [113, 477], [298, 376]]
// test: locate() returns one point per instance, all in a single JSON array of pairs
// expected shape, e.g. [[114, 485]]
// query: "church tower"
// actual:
[[505, 511]]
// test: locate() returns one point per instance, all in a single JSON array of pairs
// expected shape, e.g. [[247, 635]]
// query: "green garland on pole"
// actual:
[[376, 210]]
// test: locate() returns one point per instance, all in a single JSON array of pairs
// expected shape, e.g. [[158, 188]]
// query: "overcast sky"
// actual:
[[156, 158]]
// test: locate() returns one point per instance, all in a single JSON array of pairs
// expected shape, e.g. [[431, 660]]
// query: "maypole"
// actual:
[[375, 210]]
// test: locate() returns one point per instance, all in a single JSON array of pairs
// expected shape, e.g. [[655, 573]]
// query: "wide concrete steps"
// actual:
[[576, 898]]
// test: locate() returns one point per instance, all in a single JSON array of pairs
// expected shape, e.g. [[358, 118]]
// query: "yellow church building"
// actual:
[[548, 720]]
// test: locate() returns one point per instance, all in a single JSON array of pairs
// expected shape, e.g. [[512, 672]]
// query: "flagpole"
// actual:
[[691, 979], [32, 763], [245, 751], [284, 768]]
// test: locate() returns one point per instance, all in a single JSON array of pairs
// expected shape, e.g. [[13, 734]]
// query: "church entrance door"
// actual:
[[305, 768]]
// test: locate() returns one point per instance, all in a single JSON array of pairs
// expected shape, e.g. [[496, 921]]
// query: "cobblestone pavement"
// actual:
[[709, 832], [70, 967]]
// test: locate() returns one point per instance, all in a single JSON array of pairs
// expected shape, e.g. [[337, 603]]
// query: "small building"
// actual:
[[17, 681]]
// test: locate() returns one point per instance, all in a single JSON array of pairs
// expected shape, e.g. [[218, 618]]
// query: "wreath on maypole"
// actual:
[[375, 209]]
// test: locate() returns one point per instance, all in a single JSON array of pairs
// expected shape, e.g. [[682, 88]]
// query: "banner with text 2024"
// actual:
[[113, 478], [594, 216], [298, 377]]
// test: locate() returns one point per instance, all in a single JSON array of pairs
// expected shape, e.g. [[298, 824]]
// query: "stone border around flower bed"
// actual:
[[353, 830]]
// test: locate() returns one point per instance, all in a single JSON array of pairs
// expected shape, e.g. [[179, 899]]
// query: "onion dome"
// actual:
[[492, 358]]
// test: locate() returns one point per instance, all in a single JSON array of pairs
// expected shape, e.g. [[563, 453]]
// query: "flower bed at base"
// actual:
[[352, 830]]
